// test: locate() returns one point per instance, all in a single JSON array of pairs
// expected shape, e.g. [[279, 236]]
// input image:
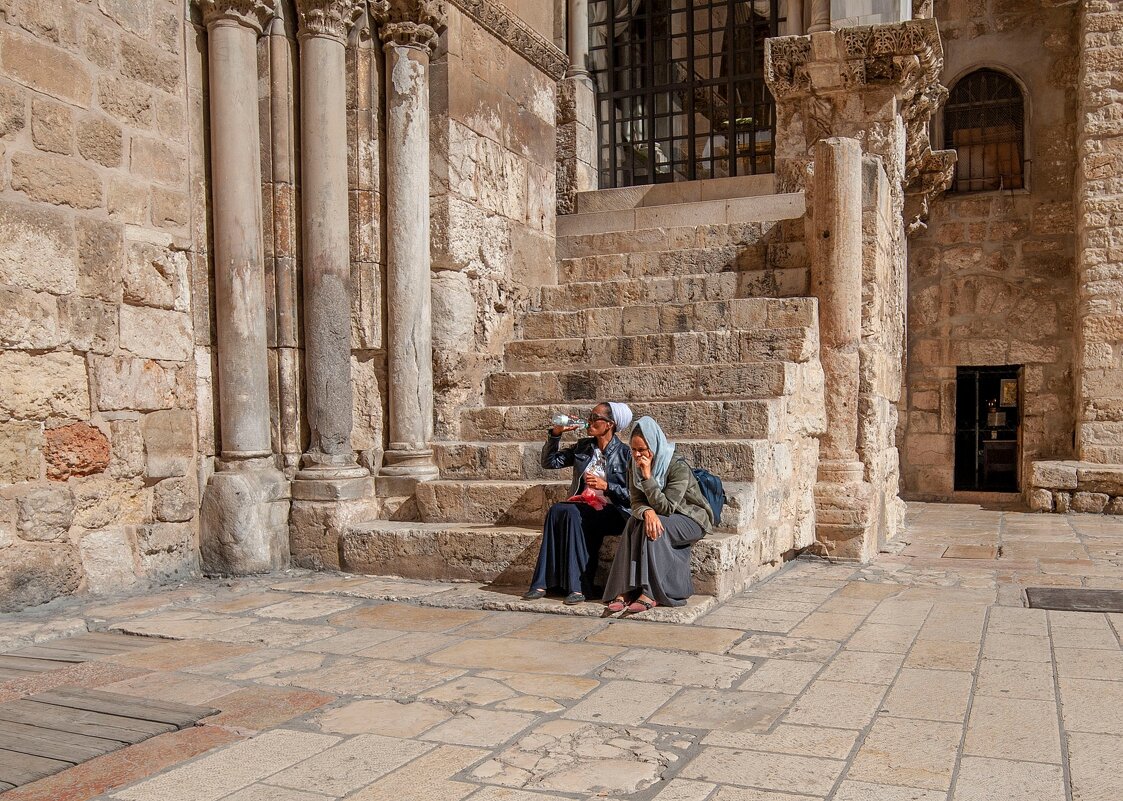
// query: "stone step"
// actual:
[[731, 211], [797, 344], [719, 315], [685, 261], [686, 237], [647, 291], [744, 419], [730, 459], [722, 563], [631, 197], [505, 503], [628, 384]]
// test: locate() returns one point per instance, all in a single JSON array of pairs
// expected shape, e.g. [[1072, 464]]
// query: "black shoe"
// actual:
[[574, 598], [533, 594]]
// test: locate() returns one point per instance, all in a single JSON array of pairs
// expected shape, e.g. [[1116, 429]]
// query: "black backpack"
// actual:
[[712, 491]]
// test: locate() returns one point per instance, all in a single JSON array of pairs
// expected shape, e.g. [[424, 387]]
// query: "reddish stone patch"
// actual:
[[260, 708], [78, 449], [84, 674], [178, 654], [103, 774]]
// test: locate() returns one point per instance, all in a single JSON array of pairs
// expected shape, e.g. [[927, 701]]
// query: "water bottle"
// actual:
[[563, 420]]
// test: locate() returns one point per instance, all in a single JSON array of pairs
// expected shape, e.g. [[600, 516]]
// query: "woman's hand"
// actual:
[[643, 462], [652, 525], [597, 482], [557, 431]]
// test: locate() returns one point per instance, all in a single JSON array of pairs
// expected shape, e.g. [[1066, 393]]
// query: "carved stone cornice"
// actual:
[[414, 23], [509, 28], [254, 14], [329, 18], [904, 58]]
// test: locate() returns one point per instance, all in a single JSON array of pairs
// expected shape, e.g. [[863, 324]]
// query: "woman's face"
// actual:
[[599, 421], [639, 446]]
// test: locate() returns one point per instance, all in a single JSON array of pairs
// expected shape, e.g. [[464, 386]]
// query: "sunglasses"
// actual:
[[593, 418]]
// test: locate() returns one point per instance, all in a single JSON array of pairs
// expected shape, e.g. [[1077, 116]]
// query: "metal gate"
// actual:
[[680, 88]]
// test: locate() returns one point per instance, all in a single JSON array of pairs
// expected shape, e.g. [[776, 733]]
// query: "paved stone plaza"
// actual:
[[919, 677]]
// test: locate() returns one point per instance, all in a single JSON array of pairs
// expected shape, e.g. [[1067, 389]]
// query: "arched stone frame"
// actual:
[[938, 125]]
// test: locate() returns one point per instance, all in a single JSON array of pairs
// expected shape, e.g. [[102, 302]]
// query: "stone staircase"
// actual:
[[694, 313]]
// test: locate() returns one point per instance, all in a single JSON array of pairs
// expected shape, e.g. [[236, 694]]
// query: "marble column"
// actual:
[[820, 16], [322, 31], [243, 518], [409, 37], [577, 38], [793, 18]]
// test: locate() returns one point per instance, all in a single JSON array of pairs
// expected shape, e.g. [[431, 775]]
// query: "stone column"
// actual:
[[793, 18], [409, 37], [820, 16], [577, 37], [322, 32], [244, 525]]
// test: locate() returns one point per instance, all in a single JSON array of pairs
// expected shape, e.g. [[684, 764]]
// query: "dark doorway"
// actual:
[[987, 419]]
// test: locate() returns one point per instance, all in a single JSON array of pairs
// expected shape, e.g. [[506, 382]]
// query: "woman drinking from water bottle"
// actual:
[[597, 507]]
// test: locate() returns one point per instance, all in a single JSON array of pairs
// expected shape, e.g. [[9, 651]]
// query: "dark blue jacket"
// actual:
[[617, 455]]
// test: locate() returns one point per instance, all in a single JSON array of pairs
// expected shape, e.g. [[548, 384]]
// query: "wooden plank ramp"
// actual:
[[51, 731]]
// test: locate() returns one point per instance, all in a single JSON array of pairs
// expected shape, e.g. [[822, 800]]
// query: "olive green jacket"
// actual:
[[681, 495]]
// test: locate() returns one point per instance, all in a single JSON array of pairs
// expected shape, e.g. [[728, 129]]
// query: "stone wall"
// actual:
[[493, 206], [98, 484], [991, 279], [1099, 227]]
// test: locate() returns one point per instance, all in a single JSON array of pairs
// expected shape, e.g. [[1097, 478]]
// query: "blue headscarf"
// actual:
[[662, 450]]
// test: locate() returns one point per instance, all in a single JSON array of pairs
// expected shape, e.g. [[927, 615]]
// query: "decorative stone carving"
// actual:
[[921, 9], [906, 57], [414, 23], [500, 22], [251, 13], [330, 18]]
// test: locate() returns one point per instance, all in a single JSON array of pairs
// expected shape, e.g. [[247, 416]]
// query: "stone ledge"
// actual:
[[1071, 486]]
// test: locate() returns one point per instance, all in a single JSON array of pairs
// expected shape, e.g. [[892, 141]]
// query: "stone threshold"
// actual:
[[480, 596]]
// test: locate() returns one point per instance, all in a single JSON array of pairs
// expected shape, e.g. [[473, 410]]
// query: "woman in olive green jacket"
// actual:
[[669, 514]]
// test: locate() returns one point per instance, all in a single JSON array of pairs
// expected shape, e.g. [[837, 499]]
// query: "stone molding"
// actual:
[[905, 58], [253, 14], [332, 19], [507, 27]]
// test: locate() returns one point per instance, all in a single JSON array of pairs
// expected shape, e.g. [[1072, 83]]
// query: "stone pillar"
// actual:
[[244, 516], [576, 114], [409, 37], [820, 16], [577, 37], [842, 497], [329, 470], [793, 18]]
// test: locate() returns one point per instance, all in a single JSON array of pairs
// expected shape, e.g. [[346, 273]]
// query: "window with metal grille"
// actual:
[[984, 121], [680, 88]]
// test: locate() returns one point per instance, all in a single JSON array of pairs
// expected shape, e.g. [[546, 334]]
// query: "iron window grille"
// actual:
[[984, 122], [680, 88]]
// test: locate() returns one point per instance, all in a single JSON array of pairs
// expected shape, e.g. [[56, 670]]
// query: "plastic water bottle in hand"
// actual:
[[564, 420]]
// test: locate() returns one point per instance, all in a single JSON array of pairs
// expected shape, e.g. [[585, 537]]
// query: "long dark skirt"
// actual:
[[571, 540], [659, 569]]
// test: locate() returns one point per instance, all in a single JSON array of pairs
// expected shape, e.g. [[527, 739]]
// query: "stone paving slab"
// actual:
[[921, 676]]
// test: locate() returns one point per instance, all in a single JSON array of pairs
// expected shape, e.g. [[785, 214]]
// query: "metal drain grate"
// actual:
[[1066, 599]]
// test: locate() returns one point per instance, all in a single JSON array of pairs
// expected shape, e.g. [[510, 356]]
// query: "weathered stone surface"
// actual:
[[29, 320], [168, 551], [78, 449], [52, 126], [156, 333], [156, 276], [134, 384], [37, 387], [56, 180], [100, 251], [108, 560], [37, 249], [102, 501], [45, 513], [21, 451], [169, 442], [99, 140], [1094, 502], [34, 574], [244, 522], [176, 499], [90, 323], [1054, 475], [45, 68]]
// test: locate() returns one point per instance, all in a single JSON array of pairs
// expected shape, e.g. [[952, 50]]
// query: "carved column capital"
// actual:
[[329, 18], [414, 23], [253, 14]]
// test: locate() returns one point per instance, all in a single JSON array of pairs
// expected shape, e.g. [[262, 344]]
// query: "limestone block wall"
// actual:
[[98, 484], [493, 188], [1099, 226], [991, 279]]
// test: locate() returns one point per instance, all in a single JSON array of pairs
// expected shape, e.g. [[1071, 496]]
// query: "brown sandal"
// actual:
[[616, 605], [641, 604]]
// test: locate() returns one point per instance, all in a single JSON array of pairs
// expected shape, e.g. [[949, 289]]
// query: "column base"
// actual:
[[317, 526], [845, 523], [244, 520], [331, 488], [415, 464]]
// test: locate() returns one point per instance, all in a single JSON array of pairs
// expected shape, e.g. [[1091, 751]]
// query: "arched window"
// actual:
[[984, 122]]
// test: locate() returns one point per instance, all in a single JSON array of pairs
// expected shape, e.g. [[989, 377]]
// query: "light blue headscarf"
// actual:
[[662, 449]]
